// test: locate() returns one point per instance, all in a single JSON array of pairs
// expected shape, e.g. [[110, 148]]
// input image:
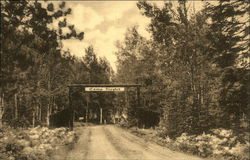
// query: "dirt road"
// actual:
[[113, 143]]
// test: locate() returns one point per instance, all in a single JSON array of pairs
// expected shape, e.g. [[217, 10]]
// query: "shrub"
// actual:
[[20, 123], [33, 143], [215, 143]]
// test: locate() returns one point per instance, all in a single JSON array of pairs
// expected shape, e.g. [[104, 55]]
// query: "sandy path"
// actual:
[[112, 143]]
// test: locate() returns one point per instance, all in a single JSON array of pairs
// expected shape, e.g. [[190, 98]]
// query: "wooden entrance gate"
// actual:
[[99, 88]]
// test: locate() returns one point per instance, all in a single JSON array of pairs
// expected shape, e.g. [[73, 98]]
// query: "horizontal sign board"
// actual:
[[105, 89]]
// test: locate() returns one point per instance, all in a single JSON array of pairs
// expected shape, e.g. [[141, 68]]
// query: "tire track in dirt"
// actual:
[[126, 152], [101, 147], [135, 145], [157, 150], [81, 149], [149, 150]]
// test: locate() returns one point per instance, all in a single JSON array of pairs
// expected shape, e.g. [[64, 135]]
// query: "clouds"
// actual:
[[116, 10], [84, 17], [104, 22]]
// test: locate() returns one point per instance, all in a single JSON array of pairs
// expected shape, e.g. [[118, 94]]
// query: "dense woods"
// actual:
[[35, 71], [194, 68]]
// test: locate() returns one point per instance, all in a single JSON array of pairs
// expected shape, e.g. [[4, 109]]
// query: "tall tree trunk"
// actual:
[[40, 113], [39, 109], [1, 109], [48, 112], [49, 104], [37, 113], [33, 118], [16, 105]]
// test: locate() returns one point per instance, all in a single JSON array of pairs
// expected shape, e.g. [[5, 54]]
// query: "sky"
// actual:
[[104, 23]]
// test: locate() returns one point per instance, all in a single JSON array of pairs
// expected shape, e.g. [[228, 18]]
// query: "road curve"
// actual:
[[109, 142]]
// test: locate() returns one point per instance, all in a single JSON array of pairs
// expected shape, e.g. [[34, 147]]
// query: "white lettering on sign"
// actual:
[[103, 89]]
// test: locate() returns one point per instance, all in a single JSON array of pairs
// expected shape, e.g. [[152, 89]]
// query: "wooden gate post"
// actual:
[[138, 104], [87, 109], [100, 115], [138, 97], [71, 109]]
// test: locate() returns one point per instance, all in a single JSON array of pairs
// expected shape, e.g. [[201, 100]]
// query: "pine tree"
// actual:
[[229, 50], [30, 43]]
